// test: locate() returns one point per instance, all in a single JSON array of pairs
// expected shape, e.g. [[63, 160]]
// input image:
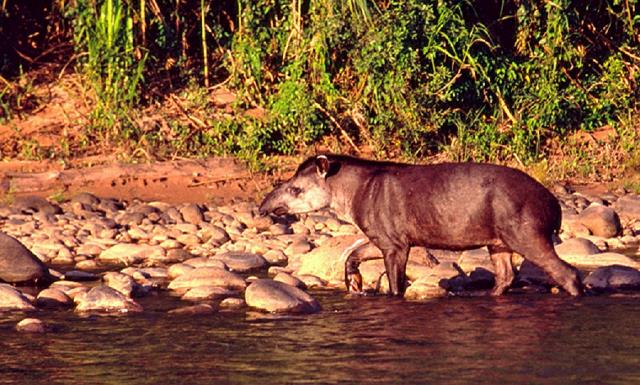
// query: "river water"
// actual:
[[515, 339]]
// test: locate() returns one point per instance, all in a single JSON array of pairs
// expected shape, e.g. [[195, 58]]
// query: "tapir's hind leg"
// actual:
[[501, 257], [539, 250]]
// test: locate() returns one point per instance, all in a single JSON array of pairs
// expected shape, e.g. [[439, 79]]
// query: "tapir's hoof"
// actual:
[[354, 282]]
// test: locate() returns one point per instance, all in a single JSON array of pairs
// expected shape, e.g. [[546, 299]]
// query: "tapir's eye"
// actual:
[[295, 190]]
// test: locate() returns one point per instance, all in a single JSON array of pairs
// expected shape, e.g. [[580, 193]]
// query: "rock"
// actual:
[[178, 269], [105, 299], [424, 288], [289, 280], [530, 274], [207, 276], [17, 263], [214, 235], [205, 262], [298, 247], [327, 260], [12, 299], [121, 282], [232, 303], [469, 260], [576, 246], [202, 308], [36, 203], [81, 276], [53, 298], [203, 293], [86, 199], [480, 279], [275, 257], [242, 262], [277, 297], [131, 253], [601, 221], [613, 277], [311, 281], [601, 259], [628, 206], [31, 325], [192, 213]]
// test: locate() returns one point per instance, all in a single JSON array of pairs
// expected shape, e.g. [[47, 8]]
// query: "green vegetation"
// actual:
[[512, 80]]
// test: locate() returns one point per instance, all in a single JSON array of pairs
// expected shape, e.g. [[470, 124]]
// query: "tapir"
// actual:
[[453, 206]]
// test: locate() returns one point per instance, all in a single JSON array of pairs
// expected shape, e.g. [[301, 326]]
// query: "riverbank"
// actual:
[[106, 253]]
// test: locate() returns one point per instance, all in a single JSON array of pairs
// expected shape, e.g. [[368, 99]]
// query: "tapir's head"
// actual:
[[306, 191]]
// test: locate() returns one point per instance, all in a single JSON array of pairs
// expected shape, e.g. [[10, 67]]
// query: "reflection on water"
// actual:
[[517, 339]]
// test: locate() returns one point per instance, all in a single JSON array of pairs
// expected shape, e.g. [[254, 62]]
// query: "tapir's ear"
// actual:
[[322, 165]]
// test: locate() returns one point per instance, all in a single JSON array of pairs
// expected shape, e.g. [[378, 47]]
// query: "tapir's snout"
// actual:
[[272, 205]]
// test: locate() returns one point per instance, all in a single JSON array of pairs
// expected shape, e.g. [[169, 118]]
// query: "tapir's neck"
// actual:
[[344, 186]]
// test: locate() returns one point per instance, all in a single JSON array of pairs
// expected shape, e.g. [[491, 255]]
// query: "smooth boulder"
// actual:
[[17, 263], [278, 297], [615, 277], [13, 299], [601, 221], [105, 299], [207, 276]]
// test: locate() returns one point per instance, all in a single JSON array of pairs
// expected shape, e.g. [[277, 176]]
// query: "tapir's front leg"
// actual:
[[352, 276]]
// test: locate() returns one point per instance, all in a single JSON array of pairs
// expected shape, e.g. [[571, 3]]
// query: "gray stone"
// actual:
[[123, 283], [31, 325], [12, 299], [53, 298], [130, 253], [192, 213], [207, 276], [277, 297], [242, 262], [105, 299], [203, 308], [214, 235], [628, 206], [613, 277], [576, 246], [86, 199], [289, 280], [601, 221], [17, 263], [204, 293], [36, 203]]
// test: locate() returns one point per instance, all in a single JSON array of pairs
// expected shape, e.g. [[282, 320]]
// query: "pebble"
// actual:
[[31, 325]]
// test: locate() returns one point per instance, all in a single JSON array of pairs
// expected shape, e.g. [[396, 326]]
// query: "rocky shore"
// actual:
[[92, 254]]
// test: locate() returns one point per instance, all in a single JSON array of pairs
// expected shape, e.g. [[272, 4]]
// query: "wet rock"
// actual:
[[277, 297], [105, 299], [232, 303], [203, 293], [480, 279], [327, 260], [12, 299], [628, 206], [123, 283], [31, 325], [17, 263], [207, 276], [530, 274], [242, 262], [81, 276], [424, 288], [131, 253], [202, 308], [289, 280], [192, 213], [52, 298], [601, 221], [613, 277]]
